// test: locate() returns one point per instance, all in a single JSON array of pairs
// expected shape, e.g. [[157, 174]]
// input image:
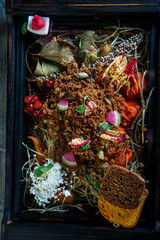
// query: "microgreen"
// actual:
[[85, 146], [42, 170], [80, 109]]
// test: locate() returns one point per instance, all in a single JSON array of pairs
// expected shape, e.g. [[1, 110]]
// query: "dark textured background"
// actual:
[[3, 102]]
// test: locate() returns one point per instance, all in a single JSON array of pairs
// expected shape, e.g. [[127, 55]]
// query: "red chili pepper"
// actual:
[[38, 149], [133, 91], [131, 110], [123, 157]]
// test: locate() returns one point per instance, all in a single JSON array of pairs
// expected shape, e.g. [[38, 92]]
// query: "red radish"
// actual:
[[113, 135], [114, 118], [63, 104], [69, 159], [90, 108], [79, 142]]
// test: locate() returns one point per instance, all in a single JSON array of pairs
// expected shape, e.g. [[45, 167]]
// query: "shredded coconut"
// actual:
[[45, 187]]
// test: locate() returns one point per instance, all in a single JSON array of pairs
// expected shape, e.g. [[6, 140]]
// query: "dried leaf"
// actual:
[[56, 52], [49, 68], [46, 68], [38, 71]]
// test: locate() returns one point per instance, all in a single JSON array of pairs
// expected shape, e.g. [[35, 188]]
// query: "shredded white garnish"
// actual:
[[45, 187]]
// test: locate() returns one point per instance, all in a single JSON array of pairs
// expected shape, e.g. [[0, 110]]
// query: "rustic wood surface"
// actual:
[[3, 104], [22, 230]]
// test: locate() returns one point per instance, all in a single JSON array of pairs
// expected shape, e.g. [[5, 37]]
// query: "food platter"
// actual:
[[87, 102]]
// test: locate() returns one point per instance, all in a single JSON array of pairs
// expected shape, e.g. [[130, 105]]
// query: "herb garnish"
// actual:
[[42, 169], [80, 109]]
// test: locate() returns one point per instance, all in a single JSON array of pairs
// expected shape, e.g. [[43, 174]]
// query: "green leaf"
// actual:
[[85, 146], [109, 126], [24, 28], [80, 109], [49, 167], [42, 169], [39, 171]]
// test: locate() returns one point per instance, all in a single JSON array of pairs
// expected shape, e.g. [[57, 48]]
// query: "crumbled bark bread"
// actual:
[[122, 187]]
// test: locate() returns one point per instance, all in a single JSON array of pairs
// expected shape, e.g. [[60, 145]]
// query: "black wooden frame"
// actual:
[[80, 7]]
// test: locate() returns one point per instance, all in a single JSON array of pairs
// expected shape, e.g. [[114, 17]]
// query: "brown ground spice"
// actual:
[[70, 124]]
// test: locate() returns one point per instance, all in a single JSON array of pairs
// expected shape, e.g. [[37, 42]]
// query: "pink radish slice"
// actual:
[[69, 159], [78, 142], [114, 118], [63, 104]]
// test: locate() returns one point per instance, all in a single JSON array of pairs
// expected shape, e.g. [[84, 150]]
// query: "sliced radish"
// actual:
[[63, 104], [90, 108], [43, 30], [69, 159], [113, 135], [114, 118], [79, 142]]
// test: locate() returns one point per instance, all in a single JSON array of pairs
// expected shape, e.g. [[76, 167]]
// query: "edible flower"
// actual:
[[113, 135], [130, 67], [90, 108], [114, 70], [76, 142]]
